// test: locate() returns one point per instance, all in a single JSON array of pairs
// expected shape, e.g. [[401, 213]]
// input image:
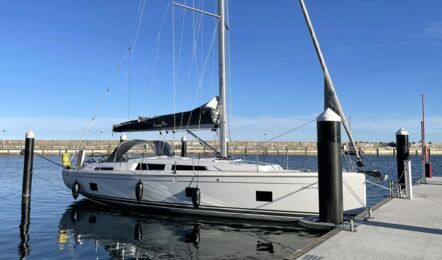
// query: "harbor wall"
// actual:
[[56, 147]]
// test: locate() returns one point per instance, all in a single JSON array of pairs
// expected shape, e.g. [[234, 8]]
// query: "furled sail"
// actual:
[[203, 117]]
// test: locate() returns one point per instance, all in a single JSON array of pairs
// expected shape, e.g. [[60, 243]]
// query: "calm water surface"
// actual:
[[62, 228]]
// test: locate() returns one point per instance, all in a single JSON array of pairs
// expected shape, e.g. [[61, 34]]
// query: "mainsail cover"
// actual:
[[203, 117]]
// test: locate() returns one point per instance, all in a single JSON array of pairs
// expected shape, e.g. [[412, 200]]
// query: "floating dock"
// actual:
[[400, 229]]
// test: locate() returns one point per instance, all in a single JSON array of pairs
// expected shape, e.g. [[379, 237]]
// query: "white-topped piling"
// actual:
[[26, 194], [331, 208], [28, 164]]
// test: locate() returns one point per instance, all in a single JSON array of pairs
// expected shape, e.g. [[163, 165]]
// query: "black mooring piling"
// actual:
[[402, 153], [23, 247], [331, 208], [183, 146], [27, 168], [26, 195]]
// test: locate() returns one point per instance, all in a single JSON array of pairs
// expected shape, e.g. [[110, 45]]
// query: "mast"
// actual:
[[330, 97], [223, 125], [222, 68]]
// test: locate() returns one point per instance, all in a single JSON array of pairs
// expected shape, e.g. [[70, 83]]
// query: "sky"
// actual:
[[67, 71]]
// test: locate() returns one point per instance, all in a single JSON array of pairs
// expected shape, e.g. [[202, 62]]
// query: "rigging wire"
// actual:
[[125, 56], [200, 77], [183, 14], [132, 48], [173, 70], [197, 28], [285, 133], [200, 74], [138, 24], [154, 54], [100, 104], [128, 85], [195, 38], [92, 120]]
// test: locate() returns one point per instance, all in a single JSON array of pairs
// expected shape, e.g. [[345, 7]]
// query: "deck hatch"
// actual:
[[264, 196]]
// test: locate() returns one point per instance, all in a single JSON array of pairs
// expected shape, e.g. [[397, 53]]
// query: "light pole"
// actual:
[[101, 138]]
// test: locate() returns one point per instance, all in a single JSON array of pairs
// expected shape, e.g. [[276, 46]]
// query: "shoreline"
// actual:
[[56, 147]]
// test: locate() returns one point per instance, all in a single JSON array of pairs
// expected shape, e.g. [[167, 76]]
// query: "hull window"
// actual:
[[264, 196], [93, 186]]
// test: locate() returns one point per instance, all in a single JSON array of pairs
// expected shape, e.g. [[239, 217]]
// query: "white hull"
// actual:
[[223, 193]]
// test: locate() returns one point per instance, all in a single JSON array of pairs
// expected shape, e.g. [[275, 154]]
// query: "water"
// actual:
[[61, 228]]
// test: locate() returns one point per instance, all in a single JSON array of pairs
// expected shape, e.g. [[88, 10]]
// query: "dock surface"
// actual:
[[401, 229]]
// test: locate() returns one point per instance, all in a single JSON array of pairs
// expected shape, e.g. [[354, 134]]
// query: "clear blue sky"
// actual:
[[58, 58]]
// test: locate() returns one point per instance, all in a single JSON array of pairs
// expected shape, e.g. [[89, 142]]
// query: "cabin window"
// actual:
[[188, 168], [150, 166], [141, 166], [104, 168], [264, 196], [93, 186]]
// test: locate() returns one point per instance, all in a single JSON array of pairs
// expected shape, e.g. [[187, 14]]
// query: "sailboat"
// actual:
[[149, 175]]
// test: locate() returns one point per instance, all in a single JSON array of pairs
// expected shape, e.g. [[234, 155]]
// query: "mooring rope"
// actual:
[[354, 194], [49, 160]]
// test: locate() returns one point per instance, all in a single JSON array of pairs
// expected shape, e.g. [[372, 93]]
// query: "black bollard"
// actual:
[[27, 168], [331, 208], [183, 146], [403, 152]]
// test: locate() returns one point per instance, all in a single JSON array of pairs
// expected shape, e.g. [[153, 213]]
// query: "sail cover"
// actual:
[[203, 117]]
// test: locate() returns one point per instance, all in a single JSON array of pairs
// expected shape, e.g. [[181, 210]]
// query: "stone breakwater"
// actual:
[[55, 147]]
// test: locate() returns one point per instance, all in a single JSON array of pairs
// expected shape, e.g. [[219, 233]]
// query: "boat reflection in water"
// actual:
[[138, 235]]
